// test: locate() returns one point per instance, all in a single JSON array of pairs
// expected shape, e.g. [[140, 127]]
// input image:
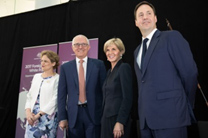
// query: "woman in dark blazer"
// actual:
[[117, 93]]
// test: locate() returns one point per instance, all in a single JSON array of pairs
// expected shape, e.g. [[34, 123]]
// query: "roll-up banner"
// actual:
[[30, 66]]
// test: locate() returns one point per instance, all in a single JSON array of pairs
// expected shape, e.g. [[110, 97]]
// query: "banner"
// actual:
[[66, 53], [30, 66]]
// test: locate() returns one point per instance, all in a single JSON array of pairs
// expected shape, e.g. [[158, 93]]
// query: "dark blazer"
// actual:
[[117, 92], [68, 91], [168, 83]]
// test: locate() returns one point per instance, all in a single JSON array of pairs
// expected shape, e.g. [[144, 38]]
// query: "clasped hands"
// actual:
[[31, 117]]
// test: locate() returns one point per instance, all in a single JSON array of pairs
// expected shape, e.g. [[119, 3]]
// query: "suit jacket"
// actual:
[[68, 91], [168, 83], [117, 93]]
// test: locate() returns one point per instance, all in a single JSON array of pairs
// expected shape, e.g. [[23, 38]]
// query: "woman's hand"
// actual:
[[118, 130], [36, 117], [29, 117]]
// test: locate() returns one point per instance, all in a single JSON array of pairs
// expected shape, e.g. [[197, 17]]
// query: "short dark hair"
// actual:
[[142, 3]]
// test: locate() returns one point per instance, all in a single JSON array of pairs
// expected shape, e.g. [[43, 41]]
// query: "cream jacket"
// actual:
[[48, 93]]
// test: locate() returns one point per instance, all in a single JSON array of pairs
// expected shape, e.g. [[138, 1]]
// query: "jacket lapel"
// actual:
[[90, 66], [75, 73], [150, 50]]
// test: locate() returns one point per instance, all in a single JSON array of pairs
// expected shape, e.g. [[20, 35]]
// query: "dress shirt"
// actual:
[[85, 70], [84, 65], [139, 56]]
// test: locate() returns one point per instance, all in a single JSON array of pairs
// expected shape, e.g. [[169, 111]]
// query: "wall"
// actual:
[[11, 7]]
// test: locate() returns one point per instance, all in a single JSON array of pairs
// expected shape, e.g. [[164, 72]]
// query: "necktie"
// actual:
[[82, 94], [144, 49]]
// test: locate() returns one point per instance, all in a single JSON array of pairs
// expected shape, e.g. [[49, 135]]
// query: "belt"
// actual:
[[82, 105]]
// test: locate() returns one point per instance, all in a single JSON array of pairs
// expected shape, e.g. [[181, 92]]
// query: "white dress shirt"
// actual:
[[84, 65], [85, 70], [139, 56]]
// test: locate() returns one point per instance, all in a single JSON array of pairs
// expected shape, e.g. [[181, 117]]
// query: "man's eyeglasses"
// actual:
[[80, 44]]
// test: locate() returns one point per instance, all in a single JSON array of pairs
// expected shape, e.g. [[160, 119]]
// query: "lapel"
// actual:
[[90, 66], [112, 74], [74, 71], [115, 69], [150, 50]]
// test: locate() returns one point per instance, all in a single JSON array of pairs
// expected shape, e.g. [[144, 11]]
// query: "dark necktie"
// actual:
[[82, 94], [144, 49]]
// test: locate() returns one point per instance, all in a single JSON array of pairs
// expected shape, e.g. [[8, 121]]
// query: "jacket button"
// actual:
[[143, 81]]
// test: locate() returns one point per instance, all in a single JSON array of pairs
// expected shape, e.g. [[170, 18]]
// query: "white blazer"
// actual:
[[48, 93]]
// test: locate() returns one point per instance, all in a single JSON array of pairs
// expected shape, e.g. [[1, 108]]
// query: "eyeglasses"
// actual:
[[76, 45]]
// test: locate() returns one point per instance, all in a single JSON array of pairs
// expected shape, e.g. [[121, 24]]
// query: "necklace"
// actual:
[[45, 76]]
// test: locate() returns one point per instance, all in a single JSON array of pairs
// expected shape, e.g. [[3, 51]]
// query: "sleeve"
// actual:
[[29, 94], [102, 74], [127, 93], [183, 60], [62, 96]]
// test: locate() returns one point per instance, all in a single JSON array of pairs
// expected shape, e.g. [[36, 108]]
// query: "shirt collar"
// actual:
[[150, 35], [85, 59]]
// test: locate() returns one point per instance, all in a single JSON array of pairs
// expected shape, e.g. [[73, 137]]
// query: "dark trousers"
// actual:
[[180, 132], [84, 127], [107, 126]]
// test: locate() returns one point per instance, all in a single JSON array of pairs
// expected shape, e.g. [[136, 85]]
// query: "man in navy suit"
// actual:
[[167, 78], [81, 118]]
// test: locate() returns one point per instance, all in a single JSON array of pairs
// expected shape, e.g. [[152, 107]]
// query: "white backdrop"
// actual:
[[10, 7]]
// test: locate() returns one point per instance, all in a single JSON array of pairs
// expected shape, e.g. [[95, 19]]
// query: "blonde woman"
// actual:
[[117, 93]]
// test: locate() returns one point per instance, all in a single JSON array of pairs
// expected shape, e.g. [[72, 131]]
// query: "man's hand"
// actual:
[[63, 124]]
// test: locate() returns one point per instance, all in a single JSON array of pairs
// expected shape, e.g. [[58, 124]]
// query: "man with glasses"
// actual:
[[80, 93]]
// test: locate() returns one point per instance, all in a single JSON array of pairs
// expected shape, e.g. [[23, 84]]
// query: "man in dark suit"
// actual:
[[167, 78], [81, 116]]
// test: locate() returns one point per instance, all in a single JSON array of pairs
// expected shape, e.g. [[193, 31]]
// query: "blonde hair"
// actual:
[[116, 41]]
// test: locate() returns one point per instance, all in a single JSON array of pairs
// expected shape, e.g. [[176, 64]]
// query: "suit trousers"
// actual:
[[84, 127], [180, 132]]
